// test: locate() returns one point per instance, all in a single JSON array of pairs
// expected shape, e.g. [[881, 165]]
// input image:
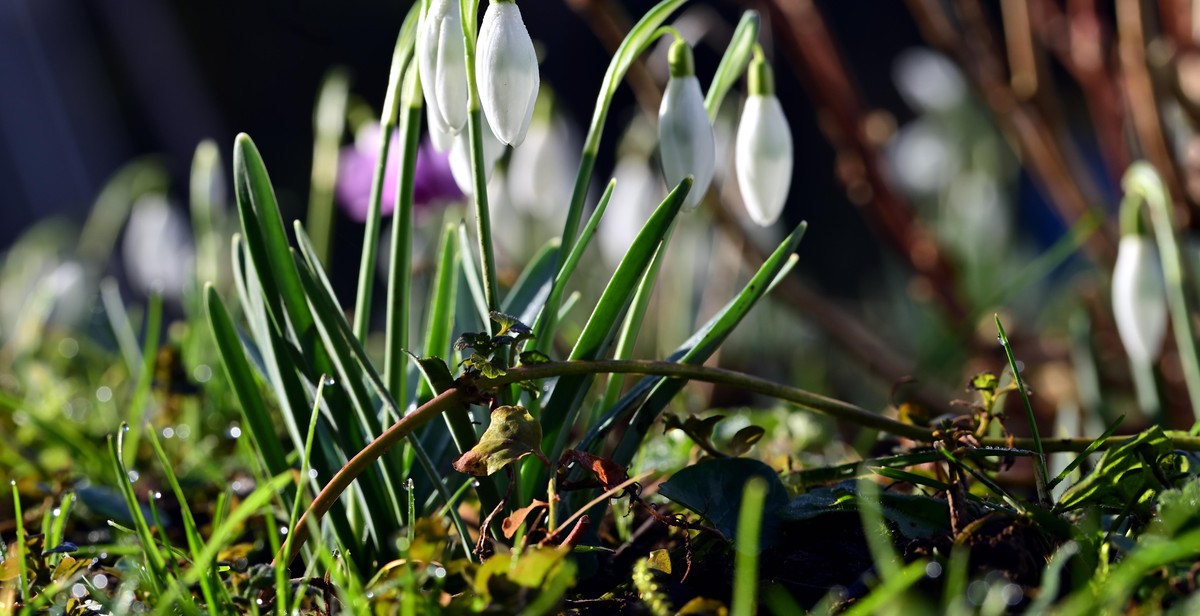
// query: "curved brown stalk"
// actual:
[[467, 390]]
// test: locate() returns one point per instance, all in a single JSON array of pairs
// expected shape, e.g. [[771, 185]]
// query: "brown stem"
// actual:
[[844, 116]]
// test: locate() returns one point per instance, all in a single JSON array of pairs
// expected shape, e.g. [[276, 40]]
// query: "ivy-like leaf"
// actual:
[[985, 381], [480, 341], [509, 323], [744, 439], [533, 358], [483, 366], [512, 435]]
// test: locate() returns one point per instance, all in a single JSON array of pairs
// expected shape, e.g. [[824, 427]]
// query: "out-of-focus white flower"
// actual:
[[541, 173], [506, 71], [922, 157], [157, 248], [460, 157], [927, 80], [763, 154], [1139, 298], [685, 137], [442, 59], [637, 192]]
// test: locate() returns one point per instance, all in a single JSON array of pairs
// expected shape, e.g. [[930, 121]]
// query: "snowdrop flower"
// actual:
[[157, 248], [685, 137], [541, 172], [460, 157], [506, 70], [763, 154], [442, 59], [1139, 298]]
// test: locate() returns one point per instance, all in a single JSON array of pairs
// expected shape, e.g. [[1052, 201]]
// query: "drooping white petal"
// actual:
[[506, 72], [1139, 298], [460, 157], [441, 138], [685, 138], [441, 57], [763, 158]]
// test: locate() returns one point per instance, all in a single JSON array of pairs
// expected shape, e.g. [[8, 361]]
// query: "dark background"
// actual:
[[88, 85]]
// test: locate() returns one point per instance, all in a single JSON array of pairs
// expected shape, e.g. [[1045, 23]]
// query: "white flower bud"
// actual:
[[460, 157], [506, 71], [1139, 298], [442, 59], [763, 154], [685, 137]]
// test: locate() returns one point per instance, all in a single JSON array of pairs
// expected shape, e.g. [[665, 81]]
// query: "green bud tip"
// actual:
[[680, 59], [761, 77]]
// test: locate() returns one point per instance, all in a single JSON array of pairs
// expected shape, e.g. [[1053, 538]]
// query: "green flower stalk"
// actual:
[[763, 153], [685, 137], [506, 70]]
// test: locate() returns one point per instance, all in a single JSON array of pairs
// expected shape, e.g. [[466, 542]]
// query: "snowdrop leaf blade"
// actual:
[[733, 63]]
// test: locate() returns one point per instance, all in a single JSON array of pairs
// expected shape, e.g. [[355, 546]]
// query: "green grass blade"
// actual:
[[439, 318], [191, 532], [145, 374], [395, 362], [474, 283], [118, 319], [747, 548], [19, 518], [241, 379], [155, 564], [640, 37], [696, 350], [560, 410], [1096, 444], [401, 56], [542, 327], [1042, 475], [733, 63], [528, 294], [329, 124]]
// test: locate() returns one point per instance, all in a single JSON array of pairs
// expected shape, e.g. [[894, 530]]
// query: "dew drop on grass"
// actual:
[[124, 427], [100, 581], [312, 473], [78, 591], [283, 530], [56, 512], [439, 572], [329, 382], [235, 432], [104, 393], [133, 476], [168, 432], [933, 570], [157, 495]]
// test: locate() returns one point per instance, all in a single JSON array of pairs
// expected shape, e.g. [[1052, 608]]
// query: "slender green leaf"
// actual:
[[733, 63], [658, 392], [559, 412]]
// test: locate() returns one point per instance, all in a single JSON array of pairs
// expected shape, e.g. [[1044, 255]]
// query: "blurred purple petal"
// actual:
[[434, 182]]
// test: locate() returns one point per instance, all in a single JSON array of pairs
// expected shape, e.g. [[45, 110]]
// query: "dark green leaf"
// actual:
[[713, 488]]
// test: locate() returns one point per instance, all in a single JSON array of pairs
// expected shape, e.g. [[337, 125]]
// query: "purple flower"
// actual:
[[433, 184]]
